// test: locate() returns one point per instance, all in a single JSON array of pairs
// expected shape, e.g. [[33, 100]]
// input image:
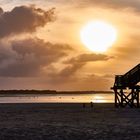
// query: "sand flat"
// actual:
[[68, 122]]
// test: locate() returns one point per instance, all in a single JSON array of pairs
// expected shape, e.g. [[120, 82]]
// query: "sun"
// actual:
[[98, 36]]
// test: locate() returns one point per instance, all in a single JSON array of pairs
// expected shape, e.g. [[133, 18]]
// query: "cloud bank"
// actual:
[[26, 58], [24, 19]]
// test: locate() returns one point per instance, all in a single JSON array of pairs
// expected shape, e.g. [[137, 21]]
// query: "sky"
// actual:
[[40, 46]]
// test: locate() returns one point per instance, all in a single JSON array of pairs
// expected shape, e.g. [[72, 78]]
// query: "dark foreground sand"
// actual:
[[68, 122]]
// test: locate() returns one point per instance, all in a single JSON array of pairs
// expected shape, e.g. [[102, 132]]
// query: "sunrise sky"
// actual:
[[41, 48]]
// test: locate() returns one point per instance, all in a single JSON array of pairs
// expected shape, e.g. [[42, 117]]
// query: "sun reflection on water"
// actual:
[[99, 99]]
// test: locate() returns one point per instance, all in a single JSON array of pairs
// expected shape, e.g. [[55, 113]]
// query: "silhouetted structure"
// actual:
[[124, 82]]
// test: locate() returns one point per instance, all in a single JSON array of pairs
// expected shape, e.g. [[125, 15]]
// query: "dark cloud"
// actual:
[[70, 70], [76, 63], [27, 57], [24, 19], [73, 66], [67, 74], [84, 58], [1, 10]]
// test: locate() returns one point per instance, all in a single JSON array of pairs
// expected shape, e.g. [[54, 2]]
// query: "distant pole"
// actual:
[[84, 105], [91, 104]]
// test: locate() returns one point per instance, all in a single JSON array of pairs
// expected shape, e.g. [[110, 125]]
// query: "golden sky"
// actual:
[[40, 45]]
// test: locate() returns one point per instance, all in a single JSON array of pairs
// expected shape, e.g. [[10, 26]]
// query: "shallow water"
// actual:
[[59, 98]]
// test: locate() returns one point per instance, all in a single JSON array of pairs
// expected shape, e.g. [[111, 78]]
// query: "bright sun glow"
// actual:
[[98, 36]]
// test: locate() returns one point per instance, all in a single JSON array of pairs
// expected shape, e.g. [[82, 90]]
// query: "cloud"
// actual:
[[23, 19], [73, 66], [76, 63], [26, 58], [1, 11], [84, 58], [95, 82], [79, 82], [115, 4], [128, 48], [70, 70], [87, 82]]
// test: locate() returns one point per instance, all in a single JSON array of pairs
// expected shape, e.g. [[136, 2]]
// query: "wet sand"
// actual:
[[68, 122]]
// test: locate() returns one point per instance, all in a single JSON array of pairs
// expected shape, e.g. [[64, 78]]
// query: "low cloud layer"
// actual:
[[28, 57], [25, 58], [83, 58], [23, 19], [74, 65]]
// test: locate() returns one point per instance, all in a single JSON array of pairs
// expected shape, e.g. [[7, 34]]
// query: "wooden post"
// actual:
[[115, 91], [131, 99], [137, 91], [132, 96], [121, 92]]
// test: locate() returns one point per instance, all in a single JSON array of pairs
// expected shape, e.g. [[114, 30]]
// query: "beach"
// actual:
[[68, 121]]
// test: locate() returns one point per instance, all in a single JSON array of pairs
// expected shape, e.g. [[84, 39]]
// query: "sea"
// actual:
[[59, 98]]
